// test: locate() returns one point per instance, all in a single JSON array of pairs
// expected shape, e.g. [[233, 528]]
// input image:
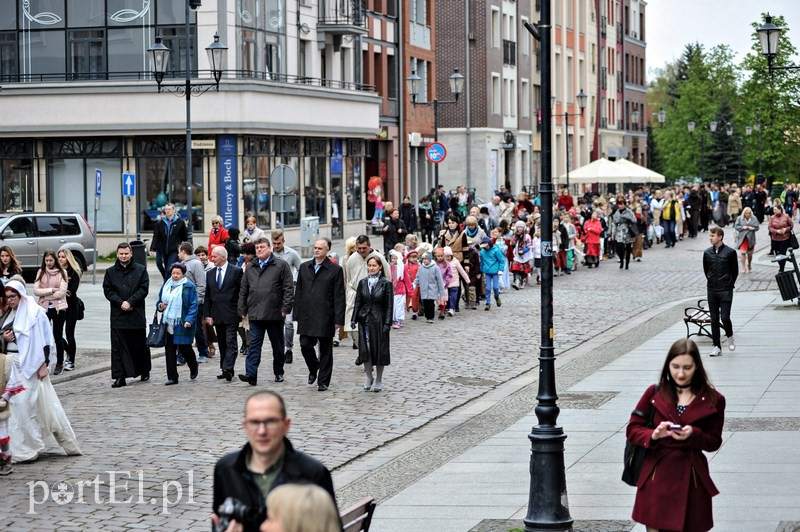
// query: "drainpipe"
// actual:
[[468, 92]]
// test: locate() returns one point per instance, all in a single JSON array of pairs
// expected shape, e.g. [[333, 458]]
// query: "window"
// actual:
[[525, 97], [421, 68], [419, 11], [391, 73], [354, 187], [314, 187], [497, 97], [48, 226], [512, 98], [70, 226], [21, 227], [87, 54], [8, 56], [496, 30], [525, 43]]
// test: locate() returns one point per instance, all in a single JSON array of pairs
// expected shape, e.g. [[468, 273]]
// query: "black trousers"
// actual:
[[228, 340], [624, 253], [130, 355], [70, 346], [171, 349], [719, 305], [323, 367], [57, 319], [429, 307]]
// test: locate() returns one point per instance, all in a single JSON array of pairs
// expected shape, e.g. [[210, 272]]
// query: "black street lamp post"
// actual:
[[159, 61], [548, 508], [581, 105], [456, 88]]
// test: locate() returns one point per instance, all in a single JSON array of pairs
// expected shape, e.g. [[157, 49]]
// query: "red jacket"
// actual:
[[593, 229], [217, 239], [401, 286], [671, 466]]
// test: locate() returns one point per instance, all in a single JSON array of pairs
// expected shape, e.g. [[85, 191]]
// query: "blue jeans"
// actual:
[[164, 261], [669, 232], [452, 297], [492, 285], [273, 329]]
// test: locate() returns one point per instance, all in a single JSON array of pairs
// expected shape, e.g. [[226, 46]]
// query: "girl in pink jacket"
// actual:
[[401, 280], [456, 269], [51, 288]]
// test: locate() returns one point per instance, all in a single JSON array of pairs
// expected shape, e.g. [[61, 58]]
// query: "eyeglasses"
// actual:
[[11, 296], [270, 423], [215, 223]]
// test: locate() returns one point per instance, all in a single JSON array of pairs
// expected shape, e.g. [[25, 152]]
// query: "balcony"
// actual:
[[509, 53], [342, 17]]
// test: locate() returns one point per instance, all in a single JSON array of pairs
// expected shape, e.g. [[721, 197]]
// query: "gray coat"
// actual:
[[266, 293], [196, 273], [624, 220], [750, 233], [429, 280]]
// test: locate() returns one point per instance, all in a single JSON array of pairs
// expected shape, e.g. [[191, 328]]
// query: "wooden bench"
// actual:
[[700, 317], [358, 517]]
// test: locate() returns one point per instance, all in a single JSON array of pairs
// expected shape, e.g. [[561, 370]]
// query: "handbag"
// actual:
[[157, 337], [634, 454], [793, 240], [81, 308]]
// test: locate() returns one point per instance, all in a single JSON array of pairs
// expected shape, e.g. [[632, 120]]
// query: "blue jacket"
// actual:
[[492, 260], [182, 335]]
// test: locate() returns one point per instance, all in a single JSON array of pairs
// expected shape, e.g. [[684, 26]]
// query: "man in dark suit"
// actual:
[[319, 308], [221, 300]]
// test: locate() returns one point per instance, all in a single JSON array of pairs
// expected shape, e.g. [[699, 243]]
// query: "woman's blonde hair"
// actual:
[[349, 246], [747, 212], [70, 260], [217, 218], [303, 508], [471, 221]]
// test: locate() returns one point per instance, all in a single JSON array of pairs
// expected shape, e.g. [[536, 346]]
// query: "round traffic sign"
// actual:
[[435, 152]]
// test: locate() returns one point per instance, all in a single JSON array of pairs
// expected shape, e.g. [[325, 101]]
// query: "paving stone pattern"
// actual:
[[163, 441]]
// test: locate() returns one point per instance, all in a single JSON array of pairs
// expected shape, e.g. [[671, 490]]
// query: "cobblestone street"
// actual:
[[161, 443]]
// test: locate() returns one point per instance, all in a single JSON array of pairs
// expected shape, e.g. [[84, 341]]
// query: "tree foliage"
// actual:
[[707, 85]]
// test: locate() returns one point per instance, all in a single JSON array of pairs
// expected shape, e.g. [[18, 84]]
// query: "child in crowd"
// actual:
[[431, 286], [402, 286], [412, 298], [5, 413], [500, 242], [474, 290], [492, 261], [537, 254], [521, 266], [202, 254], [455, 270], [411, 242], [447, 276]]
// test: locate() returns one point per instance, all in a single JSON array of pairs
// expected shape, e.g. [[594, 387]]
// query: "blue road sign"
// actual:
[[435, 152], [129, 185], [98, 182]]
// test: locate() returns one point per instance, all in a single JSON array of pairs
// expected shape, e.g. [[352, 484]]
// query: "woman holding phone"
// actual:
[[674, 490]]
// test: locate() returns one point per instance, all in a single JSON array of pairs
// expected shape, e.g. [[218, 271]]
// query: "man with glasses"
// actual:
[[266, 461]]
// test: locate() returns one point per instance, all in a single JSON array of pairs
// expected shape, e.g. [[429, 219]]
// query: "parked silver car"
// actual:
[[30, 233]]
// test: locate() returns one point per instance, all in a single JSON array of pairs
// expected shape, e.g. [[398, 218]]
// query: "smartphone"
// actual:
[[673, 426]]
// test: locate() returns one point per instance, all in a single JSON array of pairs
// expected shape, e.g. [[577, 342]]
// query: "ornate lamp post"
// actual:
[[159, 60], [581, 105], [548, 508], [456, 88]]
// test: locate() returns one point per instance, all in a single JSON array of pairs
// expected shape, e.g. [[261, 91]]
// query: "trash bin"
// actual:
[[787, 285], [139, 251]]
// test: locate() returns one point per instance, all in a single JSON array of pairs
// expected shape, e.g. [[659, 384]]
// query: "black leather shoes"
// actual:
[[312, 377], [322, 388], [119, 383], [288, 357], [278, 378], [145, 377], [248, 379], [223, 375], [193, 374]]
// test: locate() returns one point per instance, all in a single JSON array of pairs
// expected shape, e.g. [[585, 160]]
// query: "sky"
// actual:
[[671, 24]]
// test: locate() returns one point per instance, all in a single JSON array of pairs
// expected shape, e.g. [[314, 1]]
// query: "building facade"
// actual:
[[488, 134], [635, 91], [610, 110], [78, 95]]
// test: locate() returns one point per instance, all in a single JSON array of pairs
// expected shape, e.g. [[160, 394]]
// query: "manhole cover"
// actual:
[[762, 424], [584, 401]]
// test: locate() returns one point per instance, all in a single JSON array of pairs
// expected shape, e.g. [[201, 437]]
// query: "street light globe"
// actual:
[[713, 126], [662, 116], [582, 97], [748, 130], [159, 59], [456, 83], [768, 35], [729, 129], [217, 54], [412, 82], [691, 125]]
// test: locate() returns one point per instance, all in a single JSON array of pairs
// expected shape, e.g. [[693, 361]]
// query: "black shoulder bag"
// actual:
[[634, 454]]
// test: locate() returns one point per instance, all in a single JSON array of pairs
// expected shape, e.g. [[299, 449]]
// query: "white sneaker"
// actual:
[[715, 352], [450, 312], [731, 344], [69, 366]]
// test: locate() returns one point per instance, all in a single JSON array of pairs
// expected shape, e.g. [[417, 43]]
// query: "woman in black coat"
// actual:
[[373, 315], [70, 265]]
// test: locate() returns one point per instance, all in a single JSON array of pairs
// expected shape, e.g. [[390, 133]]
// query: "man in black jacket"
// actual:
[[721, 269], [168, 234], [267, 461], [222, 297], [319, 302], [126, 285]]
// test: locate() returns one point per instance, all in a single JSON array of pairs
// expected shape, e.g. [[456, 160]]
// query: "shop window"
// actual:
[[71, 188], [255, 182], [162, 180], [314, 187], [354, 187], [16, 182]]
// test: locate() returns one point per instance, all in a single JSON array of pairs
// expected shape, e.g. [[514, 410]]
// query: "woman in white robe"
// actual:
[[37, 417]]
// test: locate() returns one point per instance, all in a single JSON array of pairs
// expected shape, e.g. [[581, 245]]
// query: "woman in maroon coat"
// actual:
[[675, 489]]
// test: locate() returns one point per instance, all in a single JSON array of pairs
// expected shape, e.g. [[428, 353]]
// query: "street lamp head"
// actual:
[[582, 97], [635, 115], [413, 85], [159, 59], [662, 116], [691, 125], [456, 83], [748, 130], [768, 35], [729, 129], [217, 53], [713, 126]]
